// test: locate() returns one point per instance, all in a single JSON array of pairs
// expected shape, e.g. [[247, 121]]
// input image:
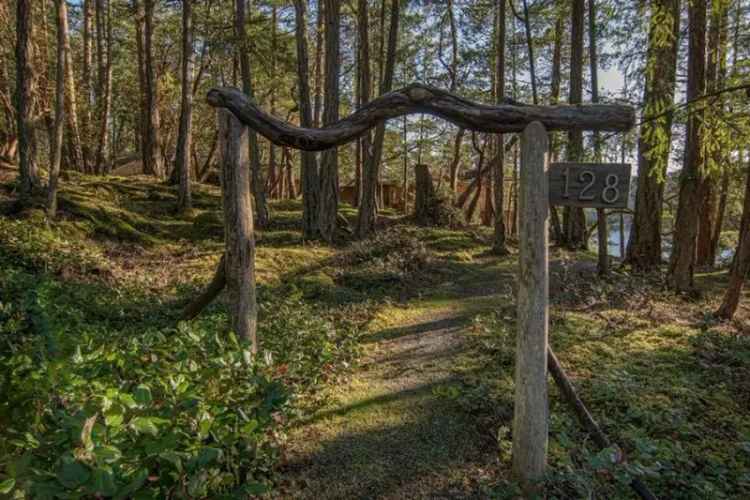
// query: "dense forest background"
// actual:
[[110, 175]]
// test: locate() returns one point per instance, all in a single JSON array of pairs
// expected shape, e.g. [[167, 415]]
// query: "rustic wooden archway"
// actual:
[[236, 113]]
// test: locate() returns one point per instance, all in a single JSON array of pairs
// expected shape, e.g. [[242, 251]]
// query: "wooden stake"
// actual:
[[530, 421], [239, 238]]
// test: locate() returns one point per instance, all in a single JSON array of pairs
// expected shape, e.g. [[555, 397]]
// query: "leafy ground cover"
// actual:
[[386, 366]]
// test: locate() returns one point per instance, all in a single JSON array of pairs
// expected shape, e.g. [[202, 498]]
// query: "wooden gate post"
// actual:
[[239, 239], [530, 421]]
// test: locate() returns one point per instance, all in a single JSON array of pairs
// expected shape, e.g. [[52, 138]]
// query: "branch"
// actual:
[[419, 98]]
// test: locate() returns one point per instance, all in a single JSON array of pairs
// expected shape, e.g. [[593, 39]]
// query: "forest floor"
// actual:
[[397, 351]]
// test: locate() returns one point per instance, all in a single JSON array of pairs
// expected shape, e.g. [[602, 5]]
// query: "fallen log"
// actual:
[[418, 98], [584, 416]]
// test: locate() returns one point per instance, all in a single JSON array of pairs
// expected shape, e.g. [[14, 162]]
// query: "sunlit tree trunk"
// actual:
[[682, 262], [61, 10], [654, 143], [184, 139]]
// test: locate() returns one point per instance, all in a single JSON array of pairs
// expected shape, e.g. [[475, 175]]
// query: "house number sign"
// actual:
[[595, 185]]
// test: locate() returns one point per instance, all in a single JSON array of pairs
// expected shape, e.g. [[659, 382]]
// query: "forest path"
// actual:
[[397, 429]]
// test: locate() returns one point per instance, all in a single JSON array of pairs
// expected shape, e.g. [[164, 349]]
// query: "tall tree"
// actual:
[[309, 168], [715, 75], [329, 168], [104, 92], [366, 196], [498, 242], [88, 82], [259, 188], [654, 143], [27, 168], [61, 10], [574, 218], [74, 145], [682, 261], [601, 216], [153, 161], [373, 156], [185, 137]]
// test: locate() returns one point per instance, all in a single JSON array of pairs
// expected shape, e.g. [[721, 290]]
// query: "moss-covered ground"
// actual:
[[396, 353]]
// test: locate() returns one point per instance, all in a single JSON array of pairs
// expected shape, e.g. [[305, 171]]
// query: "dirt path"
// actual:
[[397, 430]]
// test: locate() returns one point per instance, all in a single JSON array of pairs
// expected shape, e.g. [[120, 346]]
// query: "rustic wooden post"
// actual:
[[239, 240], [530, 421]]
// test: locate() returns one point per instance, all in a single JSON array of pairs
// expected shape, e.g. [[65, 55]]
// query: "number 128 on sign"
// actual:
[[598, 185]]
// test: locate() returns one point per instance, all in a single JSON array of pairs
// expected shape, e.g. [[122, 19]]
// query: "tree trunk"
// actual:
[[368, 181], [27, 168], [555, 80], [153, 161], [574, 218], [273, 168], [309, 167], [184, 139], [715, 76], [682, 262], [258, 186], [319, 30], [104, 94], [238, 228], [329, 175], [654, 143], [456, 162], [601, 216], [88, 82], [741, 263], [498, 242], [373, 155], [61, 9], [74, 146]]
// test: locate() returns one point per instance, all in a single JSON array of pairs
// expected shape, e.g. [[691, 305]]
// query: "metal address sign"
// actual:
[[595, 185]]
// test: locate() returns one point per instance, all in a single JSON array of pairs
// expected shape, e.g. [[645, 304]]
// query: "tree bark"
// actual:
[[366, 196], [27, 168], [373, 155], [153, 160], [419, 98], [329, 175], [238, 228], [61, 10], [715, 76], [309, 167], [258, 185], [601, 216], [104, 94], [555, 80], [498, 241], [682, 262], [185, 136], [574, 218], [654, 143], [88, 83], [74, 146]]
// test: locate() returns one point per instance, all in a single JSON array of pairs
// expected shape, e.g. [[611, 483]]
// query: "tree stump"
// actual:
[[424, 194]]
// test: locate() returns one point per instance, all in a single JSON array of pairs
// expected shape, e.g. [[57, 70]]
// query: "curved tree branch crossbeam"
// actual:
[[418, 98]]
